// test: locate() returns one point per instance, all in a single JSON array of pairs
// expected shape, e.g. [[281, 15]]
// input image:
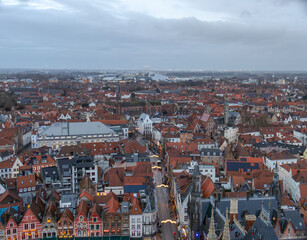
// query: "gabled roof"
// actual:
[[103, 199], [95, 208], [207, 187], [87, 195], [115, 176], [112, 206], [260, 230], [10, 196], [82, 209], [296, 219], [280, 155], [26, 181], [67, 213], [135, 207]]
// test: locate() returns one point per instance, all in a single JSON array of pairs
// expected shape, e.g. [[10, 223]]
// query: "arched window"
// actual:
[[79, 233], [84, 233]]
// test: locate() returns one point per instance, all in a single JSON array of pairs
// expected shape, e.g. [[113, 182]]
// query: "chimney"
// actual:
[[233, 209], [249, 221]]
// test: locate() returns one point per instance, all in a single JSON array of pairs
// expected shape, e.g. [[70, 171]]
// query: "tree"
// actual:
[[84, 105]]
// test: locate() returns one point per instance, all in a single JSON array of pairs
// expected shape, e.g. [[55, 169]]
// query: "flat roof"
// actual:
[[76, 128]]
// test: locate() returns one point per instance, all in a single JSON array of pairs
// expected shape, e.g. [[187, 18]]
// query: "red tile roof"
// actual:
[[26, 181], [135, 207], [112, 206], [207, 187]]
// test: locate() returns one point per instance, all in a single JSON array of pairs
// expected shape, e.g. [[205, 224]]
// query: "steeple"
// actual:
[[211, 234], [226, 233], [226, 113], [196, 179], [276, 175], [118, 94], [274, 189], [195, 205]]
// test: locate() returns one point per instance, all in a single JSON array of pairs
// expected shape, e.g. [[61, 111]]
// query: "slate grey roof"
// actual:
[[211, 151], [64, 165], [293, 149], [296, 219], [235, 232], [83, 161], [70, 198], [252, 205], [51, 172], [187, 193], [260, 230], [244, 188], [76, 128]]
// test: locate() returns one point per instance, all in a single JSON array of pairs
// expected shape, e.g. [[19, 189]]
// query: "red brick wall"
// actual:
[[34, 226]]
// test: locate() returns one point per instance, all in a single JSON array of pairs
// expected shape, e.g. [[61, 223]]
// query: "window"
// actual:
[[32, 225], [97, 227], [94, 219], [26, 226], [92, 227]]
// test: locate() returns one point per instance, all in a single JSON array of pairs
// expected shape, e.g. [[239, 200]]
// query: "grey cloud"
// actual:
[[95, 37]]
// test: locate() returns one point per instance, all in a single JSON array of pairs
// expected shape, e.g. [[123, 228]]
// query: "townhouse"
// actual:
[[279, 158]]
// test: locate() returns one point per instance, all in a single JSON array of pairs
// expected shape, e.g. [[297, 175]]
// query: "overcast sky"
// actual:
[[154, 34]]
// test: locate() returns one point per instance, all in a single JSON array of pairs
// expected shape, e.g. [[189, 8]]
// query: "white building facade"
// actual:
[[289, 184], [136, 225], [271, 163], [144, 124]]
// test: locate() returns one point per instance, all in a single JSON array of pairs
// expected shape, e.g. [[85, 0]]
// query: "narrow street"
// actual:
[[168, 228], [164, 211]]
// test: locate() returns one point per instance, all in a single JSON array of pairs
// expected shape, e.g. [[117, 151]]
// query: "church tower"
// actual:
[[274, 189], [226, 111], [118, 94], [195, 206]]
